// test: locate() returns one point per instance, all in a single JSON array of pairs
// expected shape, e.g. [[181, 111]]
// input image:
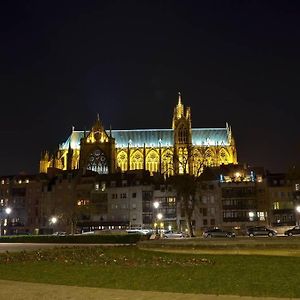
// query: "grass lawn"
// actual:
[[133, 268]]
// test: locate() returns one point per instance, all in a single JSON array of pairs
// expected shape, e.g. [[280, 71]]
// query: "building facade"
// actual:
[[232, 196], [181, 149]]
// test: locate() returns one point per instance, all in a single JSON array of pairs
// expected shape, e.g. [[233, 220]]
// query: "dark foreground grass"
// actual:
[[132, 268]]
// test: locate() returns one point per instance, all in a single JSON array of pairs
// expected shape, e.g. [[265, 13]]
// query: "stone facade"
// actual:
[[167, 151]]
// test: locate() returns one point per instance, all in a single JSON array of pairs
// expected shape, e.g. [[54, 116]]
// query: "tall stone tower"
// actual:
[[182, 138]]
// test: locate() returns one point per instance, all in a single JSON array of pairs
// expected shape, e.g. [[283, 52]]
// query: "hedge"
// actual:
[[76, 239]]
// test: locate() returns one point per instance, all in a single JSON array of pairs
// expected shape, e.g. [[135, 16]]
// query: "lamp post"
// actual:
[[297, 215], [53, 220], [156, 206], [7, 210], [159, 217]]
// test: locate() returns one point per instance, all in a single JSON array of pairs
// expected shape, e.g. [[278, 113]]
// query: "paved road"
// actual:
[[16, 290], [15, 247]]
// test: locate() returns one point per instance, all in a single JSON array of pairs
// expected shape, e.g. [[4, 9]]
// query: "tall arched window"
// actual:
[[136, 160], [122, 160], [97, 162], [152, 161], [182, 135]]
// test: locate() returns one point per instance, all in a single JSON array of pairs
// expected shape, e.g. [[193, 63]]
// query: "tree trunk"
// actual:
[[188, 222]]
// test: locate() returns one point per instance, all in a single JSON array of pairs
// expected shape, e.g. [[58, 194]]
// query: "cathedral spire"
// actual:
[[179, 98]]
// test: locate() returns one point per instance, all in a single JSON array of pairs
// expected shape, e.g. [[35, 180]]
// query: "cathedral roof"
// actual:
[[152, 137]]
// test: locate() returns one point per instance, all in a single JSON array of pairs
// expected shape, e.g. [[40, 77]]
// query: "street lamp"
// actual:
[[53, 220], [156, 206], [159, 217], [7, 210], [251, 215], [297, 215]]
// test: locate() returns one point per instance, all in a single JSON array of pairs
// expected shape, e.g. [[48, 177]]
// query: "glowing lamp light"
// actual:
[[8, 210], [298, 208], [237, 174], [159, 216], [53, 220], [156, 204], [251, 214]]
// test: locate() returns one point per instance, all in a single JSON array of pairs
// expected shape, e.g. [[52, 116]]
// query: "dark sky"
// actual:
[[61, 62]]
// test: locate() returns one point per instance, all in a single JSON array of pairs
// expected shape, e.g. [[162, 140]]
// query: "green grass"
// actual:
[[133, 268]]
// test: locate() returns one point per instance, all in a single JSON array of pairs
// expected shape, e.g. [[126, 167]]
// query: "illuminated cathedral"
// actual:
[[178, 150]]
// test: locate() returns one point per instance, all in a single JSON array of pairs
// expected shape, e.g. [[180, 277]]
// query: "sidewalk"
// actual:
[[16, 290]]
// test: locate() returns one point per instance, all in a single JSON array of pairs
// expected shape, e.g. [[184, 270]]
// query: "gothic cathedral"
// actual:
[[179, 150]]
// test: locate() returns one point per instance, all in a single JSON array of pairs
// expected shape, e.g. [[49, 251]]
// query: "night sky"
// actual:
[[62, 62]]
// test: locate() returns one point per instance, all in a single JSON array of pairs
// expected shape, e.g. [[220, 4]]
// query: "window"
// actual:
[[113, 184], [123, 195], [182, 135], [162, 188], [204, 222], [133, 195], [204, 199], [133, 205], [97, 162], [204, 212], [212, 222], [212, 199]]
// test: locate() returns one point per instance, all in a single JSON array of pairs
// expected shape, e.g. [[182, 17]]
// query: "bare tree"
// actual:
[[185, 181]]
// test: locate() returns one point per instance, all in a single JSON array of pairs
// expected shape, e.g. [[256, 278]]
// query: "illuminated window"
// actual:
[[182, 135], [259, 178], [276, 205], [83, 202]]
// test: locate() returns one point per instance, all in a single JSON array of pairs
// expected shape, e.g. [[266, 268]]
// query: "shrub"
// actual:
[[76, 239]]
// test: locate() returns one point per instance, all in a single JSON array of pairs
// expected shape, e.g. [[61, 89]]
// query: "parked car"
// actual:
[[59, 233], [293, 231], [173, 235], [261, 231], [217, 232], [142, 231]]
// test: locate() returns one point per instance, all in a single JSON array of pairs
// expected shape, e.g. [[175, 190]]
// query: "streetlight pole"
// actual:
[[297, 215], [7, 210], [159, 217], [53, 221], [156, 206]]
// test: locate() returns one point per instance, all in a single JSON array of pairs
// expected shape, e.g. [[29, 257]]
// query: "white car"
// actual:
[[139, 231], [173, 235]]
